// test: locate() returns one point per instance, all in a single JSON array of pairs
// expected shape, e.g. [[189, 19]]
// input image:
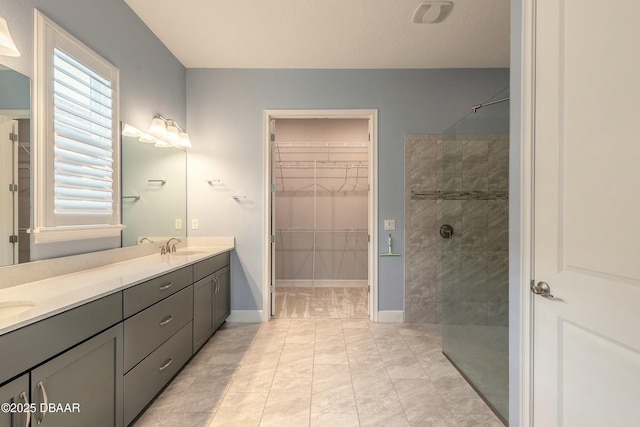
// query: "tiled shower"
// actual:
[[457, 221]]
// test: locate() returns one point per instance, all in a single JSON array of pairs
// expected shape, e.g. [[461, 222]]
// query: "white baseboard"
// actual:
[[391, 316], [246, 316]]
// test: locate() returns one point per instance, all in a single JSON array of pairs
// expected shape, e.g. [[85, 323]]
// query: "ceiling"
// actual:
[[328, 33]]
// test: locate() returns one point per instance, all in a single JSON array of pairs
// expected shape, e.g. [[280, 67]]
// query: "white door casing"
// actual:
[[269, 267], [586, 340]]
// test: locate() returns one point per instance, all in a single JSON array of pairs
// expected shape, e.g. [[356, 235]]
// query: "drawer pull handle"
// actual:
[[23, 396], [45, 401], [166, 320], [167, 286], [167, 363]]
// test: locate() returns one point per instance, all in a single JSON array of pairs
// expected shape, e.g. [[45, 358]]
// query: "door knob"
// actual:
[[542, 289]]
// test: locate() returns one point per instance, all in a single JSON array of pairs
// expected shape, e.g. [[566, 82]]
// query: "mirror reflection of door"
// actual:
[[15, 185]]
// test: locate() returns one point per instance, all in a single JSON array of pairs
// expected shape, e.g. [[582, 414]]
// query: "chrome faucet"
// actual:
[[168, 247], [145, 238]]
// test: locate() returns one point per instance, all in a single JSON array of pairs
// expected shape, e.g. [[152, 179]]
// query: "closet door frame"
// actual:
[[269, 246]]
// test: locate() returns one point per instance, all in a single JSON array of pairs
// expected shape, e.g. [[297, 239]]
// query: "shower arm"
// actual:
[[476, 107]]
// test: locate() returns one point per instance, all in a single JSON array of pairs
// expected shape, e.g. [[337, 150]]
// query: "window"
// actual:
[[76, 179]]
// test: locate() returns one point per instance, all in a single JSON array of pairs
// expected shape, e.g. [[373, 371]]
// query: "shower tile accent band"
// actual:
[[459, 195]]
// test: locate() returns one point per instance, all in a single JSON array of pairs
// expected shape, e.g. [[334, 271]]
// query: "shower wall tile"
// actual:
[[498, 164], [473, 276], [474, 165], [498, 225], [462, 280], [451, 165], [423, 276], [474, 224], [498, 276], [423, 218]]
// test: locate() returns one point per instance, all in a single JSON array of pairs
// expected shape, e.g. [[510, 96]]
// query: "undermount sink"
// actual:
[[187, 253], [12, 308]]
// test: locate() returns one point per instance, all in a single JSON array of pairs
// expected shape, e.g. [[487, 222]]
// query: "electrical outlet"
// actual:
[[389, 224], [178, 224], [194, 224]]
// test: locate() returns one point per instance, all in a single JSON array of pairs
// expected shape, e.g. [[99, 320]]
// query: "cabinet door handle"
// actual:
[[23, 396], [45, 400], [215, 279], [166, 364], [167, 286], [166, 320]]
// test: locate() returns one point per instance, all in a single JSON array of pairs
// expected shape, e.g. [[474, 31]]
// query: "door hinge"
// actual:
[[272, 288], [273, 238], [13, 188], [273, 137], [13, 239], [273, 188], [368, 238], [13, 137]]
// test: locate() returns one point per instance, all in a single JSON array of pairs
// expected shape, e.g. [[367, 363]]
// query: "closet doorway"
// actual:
[[320, 217]]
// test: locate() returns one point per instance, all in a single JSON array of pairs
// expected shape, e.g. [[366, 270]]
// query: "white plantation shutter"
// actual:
[[83, 151], [76, 175]]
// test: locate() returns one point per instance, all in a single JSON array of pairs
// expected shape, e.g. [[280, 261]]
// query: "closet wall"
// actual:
[[321, 178]]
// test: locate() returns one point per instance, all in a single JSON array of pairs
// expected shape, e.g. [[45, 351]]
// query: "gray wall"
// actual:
[[225, 113], [152, 80]]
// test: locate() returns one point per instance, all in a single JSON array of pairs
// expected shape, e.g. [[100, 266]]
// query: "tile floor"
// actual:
[[320, 372], [322, 302]]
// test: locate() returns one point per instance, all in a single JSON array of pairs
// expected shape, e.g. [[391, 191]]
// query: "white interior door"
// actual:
[[586, 355]]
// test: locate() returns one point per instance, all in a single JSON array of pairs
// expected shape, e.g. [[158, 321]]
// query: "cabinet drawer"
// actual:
[[206, 267], [145, 294], [26, 347], [144, 381], [151, 327]]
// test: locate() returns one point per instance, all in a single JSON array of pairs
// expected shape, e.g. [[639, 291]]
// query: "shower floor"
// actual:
[[322, 302]]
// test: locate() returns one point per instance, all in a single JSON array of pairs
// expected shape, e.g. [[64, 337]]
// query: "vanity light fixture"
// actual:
[[7, 46], [169, 132]]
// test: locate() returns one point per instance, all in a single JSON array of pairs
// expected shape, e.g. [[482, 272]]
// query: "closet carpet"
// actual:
[[320, 372], [322, 303]]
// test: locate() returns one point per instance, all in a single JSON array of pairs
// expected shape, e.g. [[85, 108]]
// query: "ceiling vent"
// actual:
[[432, 12]]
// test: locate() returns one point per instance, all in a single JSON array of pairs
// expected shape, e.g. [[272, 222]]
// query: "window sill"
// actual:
[[81, 232]]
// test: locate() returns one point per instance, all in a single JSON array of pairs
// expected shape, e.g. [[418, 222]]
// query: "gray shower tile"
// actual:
[[423, 165], [474, 224], [420, 310], [498, 276], [474, 165], [498, 225], [451, 165], [423, 228], [498, 159], [451, 213], [423, 274], [498, 313], [473, 276]]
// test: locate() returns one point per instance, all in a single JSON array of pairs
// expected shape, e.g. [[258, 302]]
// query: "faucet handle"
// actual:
[[163, 250], [173, 247]]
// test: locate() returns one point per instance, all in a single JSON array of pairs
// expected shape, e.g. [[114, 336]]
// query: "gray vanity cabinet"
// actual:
[[222, 297], [16, 392], [203, 314], [84, 384], [212, 299]]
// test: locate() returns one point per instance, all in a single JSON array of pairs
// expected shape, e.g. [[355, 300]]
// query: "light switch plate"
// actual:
[[178, 224], [194, 224], [389, 224]]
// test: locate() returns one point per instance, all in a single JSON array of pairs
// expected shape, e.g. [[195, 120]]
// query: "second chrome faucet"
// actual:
[[168, 247]]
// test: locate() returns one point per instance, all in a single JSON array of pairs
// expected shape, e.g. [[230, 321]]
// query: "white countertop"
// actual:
[[57, 294]]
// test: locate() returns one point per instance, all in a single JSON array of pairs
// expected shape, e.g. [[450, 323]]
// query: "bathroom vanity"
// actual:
[[96, 346]]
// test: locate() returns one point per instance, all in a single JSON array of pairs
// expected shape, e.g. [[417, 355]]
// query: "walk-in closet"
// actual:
[[321, 213]]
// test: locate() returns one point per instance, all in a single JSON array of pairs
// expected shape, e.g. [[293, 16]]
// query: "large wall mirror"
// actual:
[[15, 163], [154, 188]]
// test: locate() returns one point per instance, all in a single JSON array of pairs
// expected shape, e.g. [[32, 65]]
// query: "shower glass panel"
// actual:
[[474, 203]]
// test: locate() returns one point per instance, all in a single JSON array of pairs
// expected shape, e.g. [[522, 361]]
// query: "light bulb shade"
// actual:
[[147, 139], [173, 134], [128, 130], [184, 140], [158, 127], [162, 144], [7, 46]]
